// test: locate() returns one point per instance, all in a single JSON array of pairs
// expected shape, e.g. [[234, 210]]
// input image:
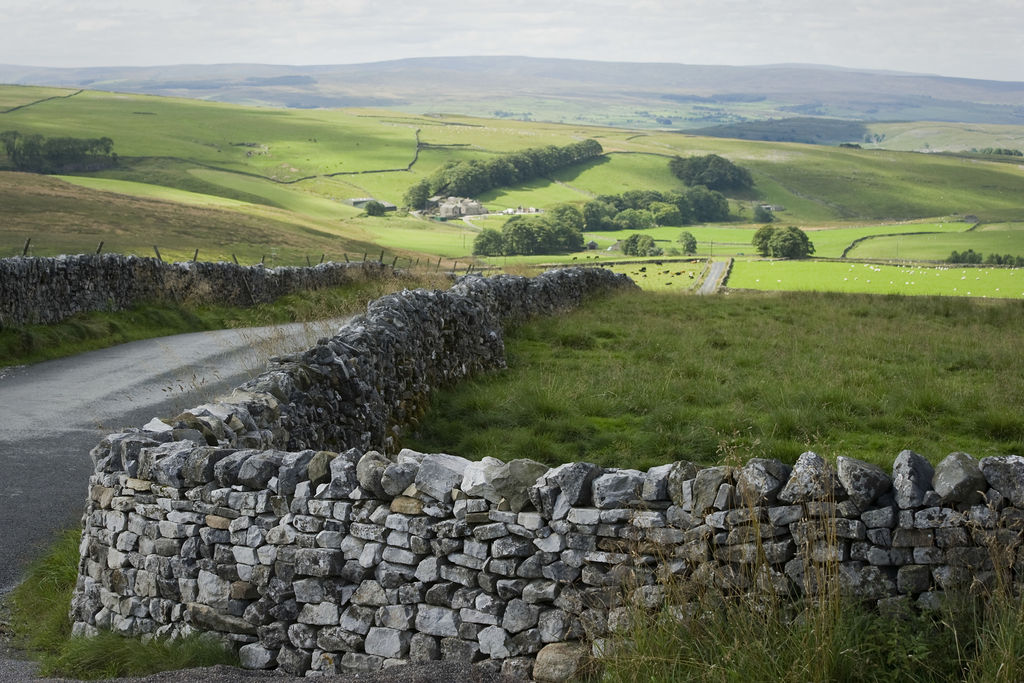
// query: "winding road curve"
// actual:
[[53, 413]]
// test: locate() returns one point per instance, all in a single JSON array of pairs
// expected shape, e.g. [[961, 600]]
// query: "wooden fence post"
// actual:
[[158, 257], [99, 247]]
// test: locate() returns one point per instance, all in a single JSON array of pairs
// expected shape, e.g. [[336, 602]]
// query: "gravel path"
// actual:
[[710, 284]]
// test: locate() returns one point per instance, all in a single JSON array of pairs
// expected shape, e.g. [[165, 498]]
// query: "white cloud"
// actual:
[[967, 38]]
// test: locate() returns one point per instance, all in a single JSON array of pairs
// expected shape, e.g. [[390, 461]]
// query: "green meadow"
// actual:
[[870, 278], [999, 238]]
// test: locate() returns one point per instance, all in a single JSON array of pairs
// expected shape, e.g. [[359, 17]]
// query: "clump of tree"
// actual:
[[973, 257], [556, 232], [470, 178], [38, 154], [687, 242], [763, 214], [999, 151], [640, 245], [374, 208], [641, 209], [778, 242], [713, 172]]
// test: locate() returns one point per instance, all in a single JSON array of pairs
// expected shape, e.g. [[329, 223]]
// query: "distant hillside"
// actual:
[[605, 93]]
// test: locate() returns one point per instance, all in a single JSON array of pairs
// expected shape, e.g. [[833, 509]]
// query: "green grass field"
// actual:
[[1001, 238], [643, 379], [20, 95], [253, 156], [831, 276]]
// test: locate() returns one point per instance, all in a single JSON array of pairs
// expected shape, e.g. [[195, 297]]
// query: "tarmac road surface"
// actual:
[[53, 413]]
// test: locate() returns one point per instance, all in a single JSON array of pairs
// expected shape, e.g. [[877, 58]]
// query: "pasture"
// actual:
[[999, 238], [869, 278]]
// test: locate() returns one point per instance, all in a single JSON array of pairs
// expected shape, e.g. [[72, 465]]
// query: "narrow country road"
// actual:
[[710, 284], [53, 413]]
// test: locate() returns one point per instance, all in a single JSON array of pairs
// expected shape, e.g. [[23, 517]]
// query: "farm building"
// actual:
[[361, 202]]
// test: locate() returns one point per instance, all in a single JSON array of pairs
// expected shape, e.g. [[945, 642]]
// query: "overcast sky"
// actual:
[[969, 38]]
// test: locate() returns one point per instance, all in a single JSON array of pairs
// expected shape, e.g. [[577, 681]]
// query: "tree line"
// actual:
[[473, 177], [711, 171], [641, 209], [993, 259], [558, 231], [38, 154]]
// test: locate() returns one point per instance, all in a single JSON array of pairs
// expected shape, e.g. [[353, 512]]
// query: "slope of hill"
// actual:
[[605, 93], [296, 168]]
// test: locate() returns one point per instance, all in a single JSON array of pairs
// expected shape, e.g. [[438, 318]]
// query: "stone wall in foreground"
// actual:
[[283, 520], [48, 290]]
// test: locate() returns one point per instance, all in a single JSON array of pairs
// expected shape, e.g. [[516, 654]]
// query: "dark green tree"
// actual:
[[374, 208], [712, 171], [763, 214], [687, 242], [489, 243], [417, 195], [598, 215]]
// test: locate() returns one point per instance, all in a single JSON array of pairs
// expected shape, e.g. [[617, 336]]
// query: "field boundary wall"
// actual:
[[286, 520], [52, 289]]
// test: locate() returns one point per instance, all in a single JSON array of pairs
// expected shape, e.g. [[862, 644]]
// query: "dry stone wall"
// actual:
[[315, 548], [48, 290]]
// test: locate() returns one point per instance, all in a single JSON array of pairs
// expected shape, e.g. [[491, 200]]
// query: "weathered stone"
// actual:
[[519, 616], [911, 479], [387, 642], [397, 477], [958, 479], [863, 481], [439, 473], [760, 480], [618, 488], [559, 662], [343, 476], [495, 642], [680, 483], [437, 621], [811, 480], [574, 481], [706, 485], [1005, 474], [319, 468], [369, 471]]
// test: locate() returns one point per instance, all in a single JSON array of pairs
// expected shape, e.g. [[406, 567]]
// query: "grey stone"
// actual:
[[256, 656], [519, 616], [958, 479], [655, 486], [618, 488], [760, 480], [574, 481], [437, 621], [495, 642], [911, 479], [387, 642], [863, 481], [706, 485], [560, 662], [439, 473], [680, 482], [397, 477], [1005, 474], [811, 480], [343, 476], [369, 471]]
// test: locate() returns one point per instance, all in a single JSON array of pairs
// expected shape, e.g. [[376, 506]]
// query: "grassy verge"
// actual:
[[643, 379], [703, 634], [39, 618], [86, 332]]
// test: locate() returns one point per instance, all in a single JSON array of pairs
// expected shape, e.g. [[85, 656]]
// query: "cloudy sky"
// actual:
[[969, 38]]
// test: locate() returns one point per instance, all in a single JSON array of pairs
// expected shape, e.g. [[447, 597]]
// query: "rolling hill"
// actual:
[[636, 95]]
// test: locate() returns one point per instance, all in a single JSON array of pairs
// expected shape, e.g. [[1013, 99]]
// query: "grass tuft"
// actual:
[[42, 626]]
